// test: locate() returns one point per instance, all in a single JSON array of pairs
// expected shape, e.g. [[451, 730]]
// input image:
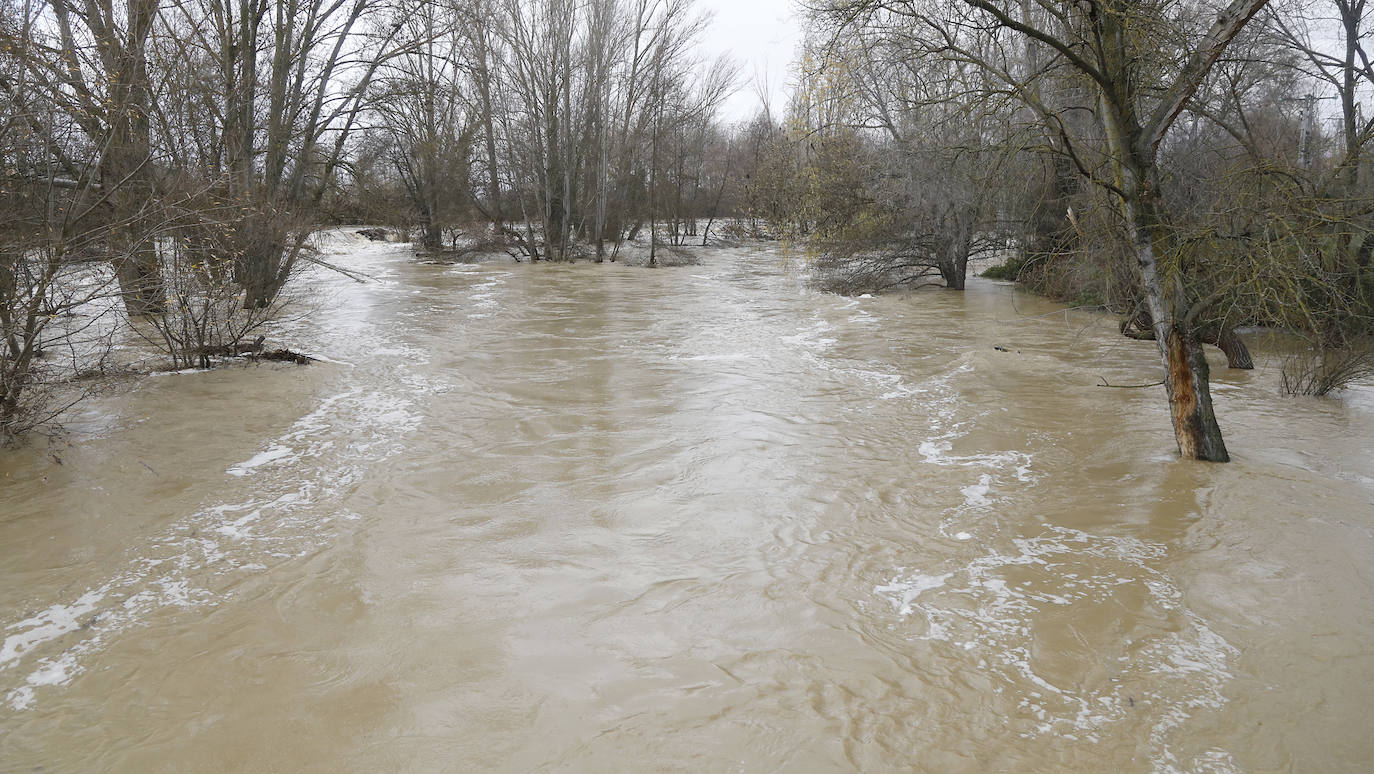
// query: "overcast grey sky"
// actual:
[[762, 36]]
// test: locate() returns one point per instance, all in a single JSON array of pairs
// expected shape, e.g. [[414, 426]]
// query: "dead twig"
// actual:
[[1105, 383]]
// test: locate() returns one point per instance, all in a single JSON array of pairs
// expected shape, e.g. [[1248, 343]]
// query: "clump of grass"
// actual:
[[1011, 270], [1321, 371]]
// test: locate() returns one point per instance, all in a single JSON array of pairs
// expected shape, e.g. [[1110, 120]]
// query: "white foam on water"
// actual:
[[274, 454], [485, 296], [904, 590], [51, 671], [302, 440], [976, 495], [177, 568], [724, 357], [366, 418], [234, 529], [937, 452], [893, 386], [1181, 668], [811, 339], [48, 625]]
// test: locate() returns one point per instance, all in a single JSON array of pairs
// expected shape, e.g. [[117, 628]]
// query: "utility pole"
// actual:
[[1305, 131], [657, 93]]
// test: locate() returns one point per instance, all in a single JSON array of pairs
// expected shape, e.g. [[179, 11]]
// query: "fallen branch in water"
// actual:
[[358, 277], [1065, 311], [232, 350], [1105, 383], [283, 356], [375, 234]]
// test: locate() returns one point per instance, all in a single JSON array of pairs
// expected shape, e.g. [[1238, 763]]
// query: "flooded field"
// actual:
[[704, 519]]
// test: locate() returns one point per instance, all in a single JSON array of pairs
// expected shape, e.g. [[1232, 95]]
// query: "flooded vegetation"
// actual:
[[873, 425], [604, 518]]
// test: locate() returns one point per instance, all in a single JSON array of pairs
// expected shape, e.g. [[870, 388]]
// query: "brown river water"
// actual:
[[596, 518]]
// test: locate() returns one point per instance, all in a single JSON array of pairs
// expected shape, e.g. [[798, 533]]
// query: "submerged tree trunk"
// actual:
[[953, 267], [431, 235], [1186, 382], [953, 243], [1230, 343], [1132, 146], [115, 117], [132, 249], [1190, 398], [1219, 335], [139, 277]]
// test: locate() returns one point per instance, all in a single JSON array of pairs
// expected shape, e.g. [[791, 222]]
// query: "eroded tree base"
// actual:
[[1190, 400]]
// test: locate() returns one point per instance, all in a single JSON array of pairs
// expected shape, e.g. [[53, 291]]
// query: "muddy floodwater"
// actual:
[[596, 518]]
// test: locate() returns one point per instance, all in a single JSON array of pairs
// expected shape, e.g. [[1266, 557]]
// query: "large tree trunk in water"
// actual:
[[125, 168], [268, 263], [1190, 398], [431, 233], [953, 269], [433, 238], [1185, 363], [131, 248], [953, 253], [139, 276], [953, 243], [117, 124]]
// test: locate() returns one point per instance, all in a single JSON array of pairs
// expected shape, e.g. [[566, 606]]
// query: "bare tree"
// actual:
[[54, 241], [279, 89], [423, 106], [90, 62], [1144, 64], [942, 138]]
